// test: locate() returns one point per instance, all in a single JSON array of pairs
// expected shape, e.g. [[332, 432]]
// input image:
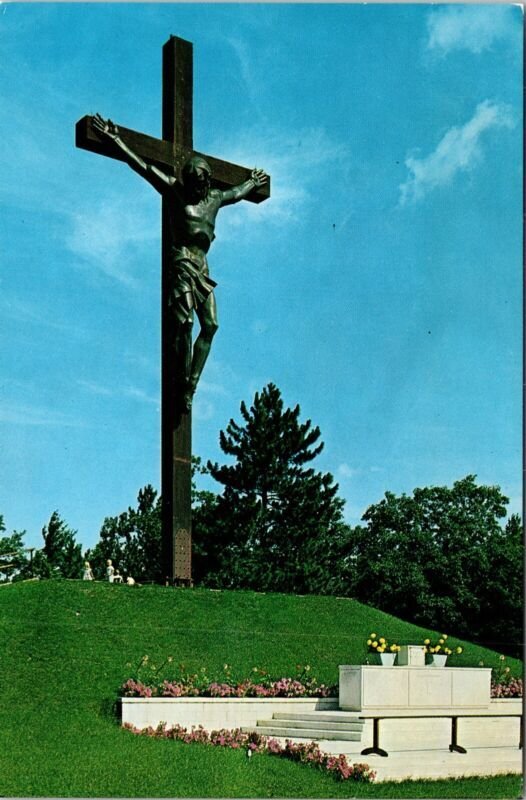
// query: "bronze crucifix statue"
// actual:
[[193, 205], [193, 188]]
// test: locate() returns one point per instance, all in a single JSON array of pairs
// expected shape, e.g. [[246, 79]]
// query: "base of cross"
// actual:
[[179, 583], [176, 468], [177, 498]]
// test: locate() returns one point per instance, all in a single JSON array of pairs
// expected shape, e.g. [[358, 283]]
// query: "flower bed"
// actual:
[[256, 743], [199, 685], [148, 683], [284, 687], [511, 688], [503, 683]]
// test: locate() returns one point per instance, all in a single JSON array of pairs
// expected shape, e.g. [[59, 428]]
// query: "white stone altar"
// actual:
[[414, 688]]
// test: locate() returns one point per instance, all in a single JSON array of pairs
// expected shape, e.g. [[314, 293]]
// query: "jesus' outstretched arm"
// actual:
[[156, 177], [258, 178]]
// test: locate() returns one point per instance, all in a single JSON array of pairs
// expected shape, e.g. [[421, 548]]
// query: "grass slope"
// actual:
[[65, 650]]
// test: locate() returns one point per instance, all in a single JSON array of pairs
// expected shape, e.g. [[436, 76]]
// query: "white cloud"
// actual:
[[218, 380], [19, 414], [25, 312], [143, 363], [293, 160], [458, 151], [208, 387], [474, 28], [96, 388], [142, 396], [202, 409], [345, 471], [246, 71], [127, 391], [108, 236]]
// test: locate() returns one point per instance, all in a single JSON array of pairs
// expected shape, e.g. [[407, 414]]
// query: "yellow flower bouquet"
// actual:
[[440, 649], [381, 647]]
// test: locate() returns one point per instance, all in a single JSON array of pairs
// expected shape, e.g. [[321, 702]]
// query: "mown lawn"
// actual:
[[65, 650]]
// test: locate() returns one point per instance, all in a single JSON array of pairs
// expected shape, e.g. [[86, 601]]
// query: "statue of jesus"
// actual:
[[193, 206]]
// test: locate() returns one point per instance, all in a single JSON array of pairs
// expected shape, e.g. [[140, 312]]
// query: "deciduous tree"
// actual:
[[132, 540], [436, 558]]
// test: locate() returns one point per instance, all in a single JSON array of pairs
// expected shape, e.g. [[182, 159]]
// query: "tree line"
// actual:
[[442, 557]]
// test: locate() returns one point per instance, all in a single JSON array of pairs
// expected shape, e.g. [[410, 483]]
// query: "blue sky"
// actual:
[[379, 287]]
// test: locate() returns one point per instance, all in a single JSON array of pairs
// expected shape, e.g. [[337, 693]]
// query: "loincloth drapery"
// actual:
[[190, 283]]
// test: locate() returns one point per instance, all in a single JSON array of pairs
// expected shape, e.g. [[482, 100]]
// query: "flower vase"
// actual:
[[437, 659], [386, 659]]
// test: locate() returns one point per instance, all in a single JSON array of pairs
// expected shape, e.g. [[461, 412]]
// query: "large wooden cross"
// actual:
[[169, 154]]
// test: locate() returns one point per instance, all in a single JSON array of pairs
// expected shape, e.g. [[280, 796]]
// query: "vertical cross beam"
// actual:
[[169, 154], [176, 427]]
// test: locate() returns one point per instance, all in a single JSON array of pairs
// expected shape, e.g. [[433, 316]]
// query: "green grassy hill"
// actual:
[[65, 650]]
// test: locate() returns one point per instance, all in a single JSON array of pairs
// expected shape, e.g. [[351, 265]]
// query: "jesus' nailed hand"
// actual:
[[193, 205]]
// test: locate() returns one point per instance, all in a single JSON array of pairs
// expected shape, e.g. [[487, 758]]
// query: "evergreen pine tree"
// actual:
[[61, 551], [278, 522], [13, 559]]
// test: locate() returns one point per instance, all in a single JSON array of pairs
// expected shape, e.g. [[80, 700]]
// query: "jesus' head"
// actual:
[[196, 175]]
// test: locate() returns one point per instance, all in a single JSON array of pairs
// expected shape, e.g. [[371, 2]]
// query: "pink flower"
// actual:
[[306, 753]]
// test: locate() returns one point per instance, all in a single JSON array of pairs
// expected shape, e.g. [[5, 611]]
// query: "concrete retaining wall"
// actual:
[[213, 712]]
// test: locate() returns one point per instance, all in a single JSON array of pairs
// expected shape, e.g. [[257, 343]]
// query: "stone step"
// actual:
[[322, 716], [312, 734], [297, 721]]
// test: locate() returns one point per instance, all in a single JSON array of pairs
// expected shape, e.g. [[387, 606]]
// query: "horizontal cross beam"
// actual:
[[164, 155]]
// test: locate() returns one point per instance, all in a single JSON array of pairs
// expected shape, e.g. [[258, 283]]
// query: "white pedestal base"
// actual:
[[409, 688]]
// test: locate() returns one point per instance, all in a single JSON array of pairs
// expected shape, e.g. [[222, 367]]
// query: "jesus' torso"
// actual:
[[192, 224]]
